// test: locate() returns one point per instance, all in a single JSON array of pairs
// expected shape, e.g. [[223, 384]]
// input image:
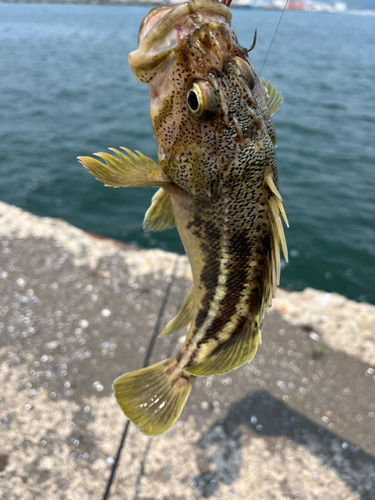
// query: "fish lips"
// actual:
[[164, 27]]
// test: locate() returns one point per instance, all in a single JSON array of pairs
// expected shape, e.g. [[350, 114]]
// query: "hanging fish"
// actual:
[[217, 175]]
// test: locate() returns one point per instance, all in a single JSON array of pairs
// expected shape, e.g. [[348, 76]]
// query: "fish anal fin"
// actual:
[[153, 397], [236, 351], [183, 318], [274, 97], [160, 215], [125, 170]]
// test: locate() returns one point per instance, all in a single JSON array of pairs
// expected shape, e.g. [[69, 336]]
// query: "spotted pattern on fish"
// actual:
[[218, 165]]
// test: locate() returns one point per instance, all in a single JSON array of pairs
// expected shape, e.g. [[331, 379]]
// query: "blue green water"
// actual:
[[66, 90]]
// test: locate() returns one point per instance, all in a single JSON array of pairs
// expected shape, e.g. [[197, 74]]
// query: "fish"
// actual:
[[218, 184]]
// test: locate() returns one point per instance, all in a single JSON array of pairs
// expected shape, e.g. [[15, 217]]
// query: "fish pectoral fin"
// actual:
[[183, 319], [160, 215], [236, 351], [125, 170], [153, 398], [274, 98]]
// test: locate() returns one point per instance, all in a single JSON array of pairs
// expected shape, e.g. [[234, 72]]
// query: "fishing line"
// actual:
[[277, 27], [142, 469], [145, 363]]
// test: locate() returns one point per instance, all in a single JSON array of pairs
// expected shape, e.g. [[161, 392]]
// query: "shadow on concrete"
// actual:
[[267, 416]]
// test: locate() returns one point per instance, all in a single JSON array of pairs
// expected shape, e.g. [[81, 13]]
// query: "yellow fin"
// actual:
[[183, 318], [274, 99], [160, 215], [272, 187], [278, 227], [153, 397], [273, 279], [125, 170], [276, 208], [236, 351]]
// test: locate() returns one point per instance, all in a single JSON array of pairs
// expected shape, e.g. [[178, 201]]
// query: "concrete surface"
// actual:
[[76, 311]]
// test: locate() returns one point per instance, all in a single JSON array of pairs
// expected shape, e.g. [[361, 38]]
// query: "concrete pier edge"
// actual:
[[77, 310]]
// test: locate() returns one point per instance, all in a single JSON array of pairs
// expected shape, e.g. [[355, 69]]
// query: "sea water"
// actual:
[[66, 90]]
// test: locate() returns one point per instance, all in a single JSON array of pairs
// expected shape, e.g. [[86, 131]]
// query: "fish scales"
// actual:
[[234, 257], [217, 175]]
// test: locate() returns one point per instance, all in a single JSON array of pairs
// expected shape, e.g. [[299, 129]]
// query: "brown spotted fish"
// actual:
[[217, 175]]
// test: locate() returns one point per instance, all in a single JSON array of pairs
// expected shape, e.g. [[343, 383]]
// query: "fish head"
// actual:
[[207, 105]]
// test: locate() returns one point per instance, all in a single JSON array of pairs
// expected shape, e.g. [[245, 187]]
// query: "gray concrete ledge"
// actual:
[[76, 311]]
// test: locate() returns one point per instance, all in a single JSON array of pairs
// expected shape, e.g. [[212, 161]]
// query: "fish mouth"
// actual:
[[164, 27]]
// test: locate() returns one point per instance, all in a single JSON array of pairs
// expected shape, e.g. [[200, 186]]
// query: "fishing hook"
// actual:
[[254, 42]]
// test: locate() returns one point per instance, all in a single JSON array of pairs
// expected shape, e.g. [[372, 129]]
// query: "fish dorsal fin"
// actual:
[[236, 351], [276, 209], [183, 318], [160, 215], [125, 170], [274, 98]]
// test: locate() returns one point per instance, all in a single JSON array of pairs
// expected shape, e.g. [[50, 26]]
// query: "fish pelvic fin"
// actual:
[[274, 99], [125, 170], [153, 397], [160, 215], [236, 351], [183, 319]]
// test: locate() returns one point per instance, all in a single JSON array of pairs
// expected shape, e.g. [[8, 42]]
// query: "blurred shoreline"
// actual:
[[295, 5]]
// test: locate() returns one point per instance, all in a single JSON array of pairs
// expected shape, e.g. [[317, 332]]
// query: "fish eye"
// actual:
[[245, 71], [201, 99], [193, 101]]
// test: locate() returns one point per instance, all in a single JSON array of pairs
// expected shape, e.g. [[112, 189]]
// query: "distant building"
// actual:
[[295, 5]]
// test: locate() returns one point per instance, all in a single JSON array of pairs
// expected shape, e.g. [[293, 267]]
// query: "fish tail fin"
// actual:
[[153, 397]]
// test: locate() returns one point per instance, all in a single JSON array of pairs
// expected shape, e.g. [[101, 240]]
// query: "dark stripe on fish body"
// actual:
[[237, 283], [207, 232], [243, 283], [239, 247]]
